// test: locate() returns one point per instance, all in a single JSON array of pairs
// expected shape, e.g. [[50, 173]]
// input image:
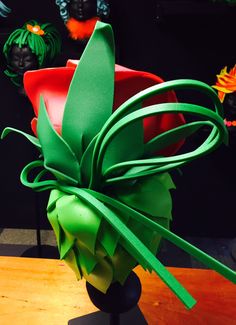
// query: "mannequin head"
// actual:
[[30, 47], [80, 16], [230, 112], [230, 102], [82, 9], [70, 8], [22, 59]]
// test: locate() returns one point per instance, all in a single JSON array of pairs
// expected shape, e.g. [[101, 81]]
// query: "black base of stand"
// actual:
[[118, 306], [134, 316], [118, 298]]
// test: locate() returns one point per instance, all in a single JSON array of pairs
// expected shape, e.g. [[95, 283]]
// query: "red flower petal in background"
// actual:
[[53, 85]]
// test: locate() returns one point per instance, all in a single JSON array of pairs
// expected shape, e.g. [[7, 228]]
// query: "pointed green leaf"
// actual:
[[169, 137], [108, 237], [52, 218], [166, 180], [123, 264], [63, 244], [79, 219], [58, 157], [150, 195], [66, 243], [134, 246], [102, 274], [86, 163], [85, 258], [128, 144], [71, 261], [31, 138], [90, 97], [167, 234], [54, 196]]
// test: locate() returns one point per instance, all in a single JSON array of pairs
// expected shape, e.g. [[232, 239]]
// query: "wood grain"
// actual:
[[45, 291]]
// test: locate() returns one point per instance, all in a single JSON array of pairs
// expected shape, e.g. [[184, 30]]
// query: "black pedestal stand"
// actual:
[[39, 250], [118, 306]]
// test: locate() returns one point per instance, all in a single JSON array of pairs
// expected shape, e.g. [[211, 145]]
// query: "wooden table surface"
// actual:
[[45, 292]]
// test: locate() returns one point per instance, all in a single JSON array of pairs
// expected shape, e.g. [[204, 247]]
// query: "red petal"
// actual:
[[53, 85]]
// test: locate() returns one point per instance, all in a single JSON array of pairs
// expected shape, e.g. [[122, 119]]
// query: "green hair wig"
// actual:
[[43, 40]]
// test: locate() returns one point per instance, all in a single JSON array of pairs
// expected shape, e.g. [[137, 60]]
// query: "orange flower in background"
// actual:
[[226, 82], [35, 29]]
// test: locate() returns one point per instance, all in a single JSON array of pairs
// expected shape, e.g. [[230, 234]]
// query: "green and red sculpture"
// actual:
[[108, 167]]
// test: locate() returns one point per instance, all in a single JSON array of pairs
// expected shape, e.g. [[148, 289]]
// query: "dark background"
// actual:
[[173, 39]]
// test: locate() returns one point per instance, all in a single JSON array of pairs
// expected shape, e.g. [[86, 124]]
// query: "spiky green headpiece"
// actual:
[[110, 201]]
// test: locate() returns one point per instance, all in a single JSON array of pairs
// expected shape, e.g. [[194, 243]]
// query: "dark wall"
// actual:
[[190, 39]]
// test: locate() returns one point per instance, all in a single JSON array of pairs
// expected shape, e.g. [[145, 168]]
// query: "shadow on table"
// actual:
[[42, 251]]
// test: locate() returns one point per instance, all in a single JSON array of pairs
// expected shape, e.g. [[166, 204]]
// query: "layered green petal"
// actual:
[[77, 224], [90, 96], [150, 195], [58, 156]]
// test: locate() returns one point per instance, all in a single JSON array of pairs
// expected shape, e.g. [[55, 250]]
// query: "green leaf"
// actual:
[[86, 163], [52, 218], [58, 157], [64, 242], [166, 180], [54, 196], [108, 236], [169, 137], [86, 259], [122, 263], [126, 145], [90, 97], [134, 246], [150, 195], [31, 138], [70, 260], [79, 219], [167, 234], [102, 274]]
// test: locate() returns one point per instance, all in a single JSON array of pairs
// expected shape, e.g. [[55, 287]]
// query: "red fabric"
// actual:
[[53, 84]]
